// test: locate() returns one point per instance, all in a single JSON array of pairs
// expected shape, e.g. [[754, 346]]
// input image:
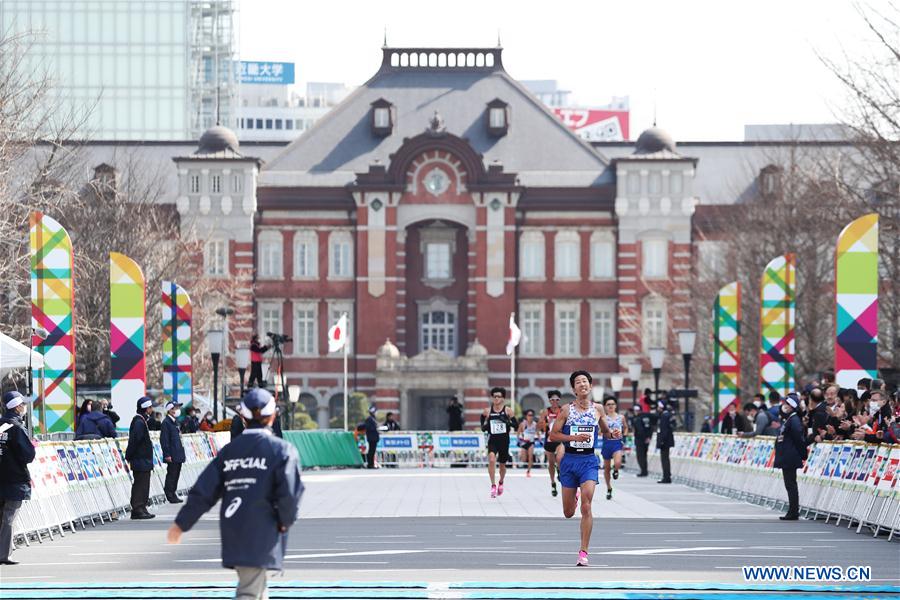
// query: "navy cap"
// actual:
[[13, 399], [143, 403], [372, 409], [257, 399]]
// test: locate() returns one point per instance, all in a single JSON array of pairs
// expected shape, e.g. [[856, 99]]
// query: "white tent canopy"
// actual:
[[14, 355]]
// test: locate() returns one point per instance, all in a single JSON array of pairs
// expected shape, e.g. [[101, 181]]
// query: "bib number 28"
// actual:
[[498, 427]]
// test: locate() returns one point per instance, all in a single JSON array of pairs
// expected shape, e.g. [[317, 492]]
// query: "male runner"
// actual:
[[548, 416], [611, 450], [577, 427], [498, 420], [527, 435]]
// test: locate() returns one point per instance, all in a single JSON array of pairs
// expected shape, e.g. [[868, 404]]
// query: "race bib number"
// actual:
[[576, 429], [498, 427]]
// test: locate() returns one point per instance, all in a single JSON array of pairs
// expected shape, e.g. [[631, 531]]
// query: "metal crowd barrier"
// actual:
[[852, 481], [86, 482]]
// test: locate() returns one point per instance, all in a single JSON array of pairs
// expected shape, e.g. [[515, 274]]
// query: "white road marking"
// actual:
[[337, 562], [362, 553], [357, 537], [116, 553], [97, 562], [649, 551], [7, 577], [665, 533]]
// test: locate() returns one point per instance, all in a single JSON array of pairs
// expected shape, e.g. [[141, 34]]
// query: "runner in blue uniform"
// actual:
[[611, 450], [578, 427], [497, 421]]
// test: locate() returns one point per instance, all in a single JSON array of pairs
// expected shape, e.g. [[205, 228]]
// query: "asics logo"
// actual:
[[232, 508]]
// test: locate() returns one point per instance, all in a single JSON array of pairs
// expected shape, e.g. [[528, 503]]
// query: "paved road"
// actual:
[[446, 529]]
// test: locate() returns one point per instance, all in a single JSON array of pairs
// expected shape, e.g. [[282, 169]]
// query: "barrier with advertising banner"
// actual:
[[847, 481], [89, 481]]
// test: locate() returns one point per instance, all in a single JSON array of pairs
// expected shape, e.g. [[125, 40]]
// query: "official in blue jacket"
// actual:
[[172, 451], [16, 452], [257, 478], [790, 453]]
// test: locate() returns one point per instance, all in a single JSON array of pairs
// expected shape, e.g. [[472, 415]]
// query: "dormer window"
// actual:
[[770, 181], [497, 117], [382, 117]]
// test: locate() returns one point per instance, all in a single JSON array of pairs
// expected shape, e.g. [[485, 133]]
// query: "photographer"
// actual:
[[256, 358]]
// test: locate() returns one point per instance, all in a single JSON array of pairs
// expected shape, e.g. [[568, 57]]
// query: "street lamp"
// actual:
[[634, 374], [225, 312], [657, 356], [294, 397], [616, 382], [214, 340], [686, 341], [242, 361]]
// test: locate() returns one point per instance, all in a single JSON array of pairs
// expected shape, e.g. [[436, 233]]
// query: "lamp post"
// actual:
[[686, 341], [294, 397], [242, 361], [224, 312], [616, 382], [657, 356], [634, 374], [214, 339]]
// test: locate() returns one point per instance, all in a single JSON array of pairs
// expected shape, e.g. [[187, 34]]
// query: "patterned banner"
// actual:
[[52, 308], [727, 351], [176, 338], [856, 297], [777, 319], [128, 372]]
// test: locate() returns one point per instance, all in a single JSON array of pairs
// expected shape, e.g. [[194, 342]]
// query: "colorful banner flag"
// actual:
[[727, 347], [52, 309], [777, 320], [856, 299], [127, 295], [176, 342]]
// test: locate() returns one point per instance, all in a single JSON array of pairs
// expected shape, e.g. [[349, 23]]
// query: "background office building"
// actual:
[[135, 70]]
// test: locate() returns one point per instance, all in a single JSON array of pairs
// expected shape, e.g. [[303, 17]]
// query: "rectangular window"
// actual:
[[270, 319], [604, 330], [195, 184], [306, 255], [567, 329], [655, 258], [270, 259], [602, 259], [259, 123], [216, 184], [439, 331], [237, 183], [288, 123], [278, 124], [711, 260], [654, 325], [532, 258], [268, 123], [249, 123], [215, 258], [382, 118], [341, 265], [567, 263], [437, 260], [532, 323], [498, 118], [305, 329]]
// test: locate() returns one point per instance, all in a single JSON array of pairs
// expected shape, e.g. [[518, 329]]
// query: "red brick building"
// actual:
[[437, 199]]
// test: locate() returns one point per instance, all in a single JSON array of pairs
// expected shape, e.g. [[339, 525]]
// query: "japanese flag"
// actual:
[[337, 335], [515, 335]]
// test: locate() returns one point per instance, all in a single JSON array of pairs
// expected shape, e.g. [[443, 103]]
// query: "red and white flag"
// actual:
[[515, 335], [337, 335]]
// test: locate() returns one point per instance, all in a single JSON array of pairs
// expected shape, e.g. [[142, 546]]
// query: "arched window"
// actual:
[[306, 255], [269, 249], [531, 255], [567, 255], [603, 255]]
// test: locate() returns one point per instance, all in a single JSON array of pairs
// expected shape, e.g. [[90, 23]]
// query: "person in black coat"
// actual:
[[372, 437], [16, 452], [172, 451], [191, 421], [790, 453], [139, 455], [665, 440], [454, 415], [642, 425], [237, 425], [257, 479]]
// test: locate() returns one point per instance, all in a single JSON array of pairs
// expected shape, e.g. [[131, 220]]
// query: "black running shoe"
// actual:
[[609, 494], [615, 473]]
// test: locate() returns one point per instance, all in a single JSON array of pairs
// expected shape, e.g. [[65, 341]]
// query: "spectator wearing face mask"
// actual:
[[139, 455], [759, 418], [191, 421], [207, 424], [16, 452], [172, 450], [878, 419], [732, 422]]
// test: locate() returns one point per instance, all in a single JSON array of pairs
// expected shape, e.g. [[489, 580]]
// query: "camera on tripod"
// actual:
[[279, 338]]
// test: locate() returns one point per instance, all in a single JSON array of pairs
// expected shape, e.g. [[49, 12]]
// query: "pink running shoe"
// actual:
[[500, 489], [493, 491], [582, 559], [528, 474]]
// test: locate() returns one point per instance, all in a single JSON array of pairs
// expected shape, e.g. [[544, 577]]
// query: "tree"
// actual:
[[357, 412]]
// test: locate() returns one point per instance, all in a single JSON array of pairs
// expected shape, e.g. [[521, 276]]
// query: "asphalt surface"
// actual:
[[627, 552]]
